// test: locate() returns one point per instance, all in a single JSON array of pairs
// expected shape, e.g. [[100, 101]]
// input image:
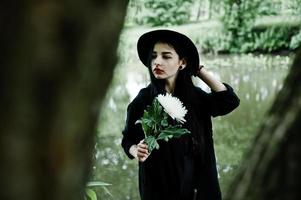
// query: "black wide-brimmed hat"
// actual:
[[146, 43]]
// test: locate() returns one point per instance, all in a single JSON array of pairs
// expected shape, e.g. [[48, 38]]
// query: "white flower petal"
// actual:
[[173, 107]]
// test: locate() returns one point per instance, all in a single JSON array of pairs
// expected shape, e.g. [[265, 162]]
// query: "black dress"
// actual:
[[174, 171]]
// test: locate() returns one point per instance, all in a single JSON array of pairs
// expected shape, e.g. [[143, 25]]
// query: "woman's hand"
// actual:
[[210, 80], [140, 151], [199, 71]]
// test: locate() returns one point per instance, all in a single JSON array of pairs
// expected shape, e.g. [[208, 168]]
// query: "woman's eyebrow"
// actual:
[[164, 52]]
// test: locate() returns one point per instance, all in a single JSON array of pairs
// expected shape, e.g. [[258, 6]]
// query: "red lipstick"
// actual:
[[158, 71]]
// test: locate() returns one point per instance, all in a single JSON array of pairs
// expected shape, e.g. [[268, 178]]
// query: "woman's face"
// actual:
[[165, 62]]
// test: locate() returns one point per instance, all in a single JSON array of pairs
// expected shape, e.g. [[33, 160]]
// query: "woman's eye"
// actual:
[[166, 57], [154, 56]]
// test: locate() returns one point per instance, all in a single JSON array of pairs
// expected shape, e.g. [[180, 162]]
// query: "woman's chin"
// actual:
[[159, 76]]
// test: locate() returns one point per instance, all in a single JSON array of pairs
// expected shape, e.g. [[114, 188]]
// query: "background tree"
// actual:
[[57, 59], [238, 20], [272, 168]]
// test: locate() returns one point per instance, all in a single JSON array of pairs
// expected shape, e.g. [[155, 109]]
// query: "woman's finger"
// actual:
[[142, 150], [142, 146], [142, 157]]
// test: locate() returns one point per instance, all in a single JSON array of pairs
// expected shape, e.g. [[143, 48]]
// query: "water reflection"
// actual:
[[255, 78]]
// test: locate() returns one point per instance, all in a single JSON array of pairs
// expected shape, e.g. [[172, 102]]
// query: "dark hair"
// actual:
[[185, 91]]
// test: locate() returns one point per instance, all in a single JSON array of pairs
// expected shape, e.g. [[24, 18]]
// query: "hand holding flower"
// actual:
[[142, 151]]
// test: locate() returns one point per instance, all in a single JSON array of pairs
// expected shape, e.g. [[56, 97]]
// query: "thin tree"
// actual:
[[199, 11]]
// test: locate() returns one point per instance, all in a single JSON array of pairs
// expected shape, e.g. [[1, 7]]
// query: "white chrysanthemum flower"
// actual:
[[173, 107]]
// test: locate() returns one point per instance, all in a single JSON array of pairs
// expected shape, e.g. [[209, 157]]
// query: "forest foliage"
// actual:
[[241, 22]]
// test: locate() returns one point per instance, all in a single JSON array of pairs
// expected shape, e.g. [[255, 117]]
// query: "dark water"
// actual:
[[256, 79]]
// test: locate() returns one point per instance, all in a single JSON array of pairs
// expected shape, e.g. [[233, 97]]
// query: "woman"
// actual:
[[183, 168]]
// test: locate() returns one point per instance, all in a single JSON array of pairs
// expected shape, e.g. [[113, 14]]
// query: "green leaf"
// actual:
[[97, 183], [146, 126], [164, 121], [151, 143], [170, 132], [107, 191], [157, 111], [151, 120], [91, 194]]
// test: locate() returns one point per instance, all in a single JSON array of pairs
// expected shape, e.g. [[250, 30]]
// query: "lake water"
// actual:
[[256, 79]]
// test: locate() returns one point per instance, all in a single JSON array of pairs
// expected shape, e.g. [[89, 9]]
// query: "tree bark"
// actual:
[[57, 59], [272, 168]]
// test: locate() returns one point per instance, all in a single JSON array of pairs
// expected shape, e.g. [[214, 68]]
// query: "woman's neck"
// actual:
[[170, 85]]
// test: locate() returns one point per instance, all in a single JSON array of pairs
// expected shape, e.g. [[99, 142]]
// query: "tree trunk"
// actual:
[[209, 9], [272, 169], [199, 10], [57, 60]]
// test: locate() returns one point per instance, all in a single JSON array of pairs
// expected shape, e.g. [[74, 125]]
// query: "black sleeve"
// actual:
[[223, 102], [133, 133]]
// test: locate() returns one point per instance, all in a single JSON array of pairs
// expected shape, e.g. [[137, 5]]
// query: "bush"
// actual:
[[268, 8], [166, 12], [216, 43], [271, 40], [295, 41]]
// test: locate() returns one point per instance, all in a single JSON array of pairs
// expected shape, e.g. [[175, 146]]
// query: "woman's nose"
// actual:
[[157, 61]]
